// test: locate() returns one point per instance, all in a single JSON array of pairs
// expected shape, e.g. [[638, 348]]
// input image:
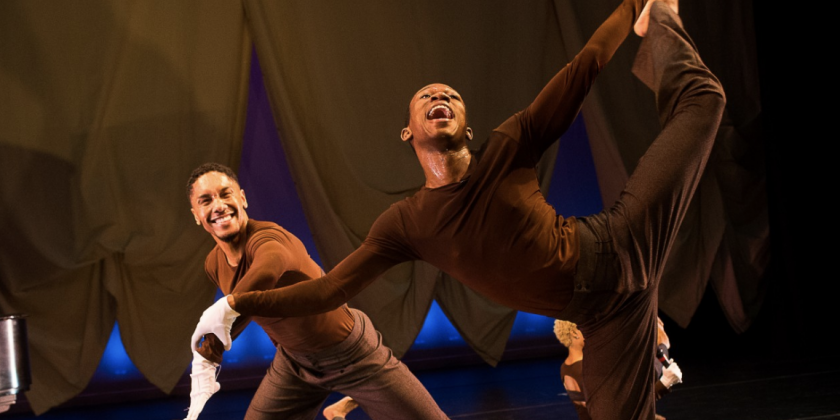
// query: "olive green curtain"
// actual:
[[105, 108]]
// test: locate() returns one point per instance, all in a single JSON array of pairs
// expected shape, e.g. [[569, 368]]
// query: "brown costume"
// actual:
[[338, 350]]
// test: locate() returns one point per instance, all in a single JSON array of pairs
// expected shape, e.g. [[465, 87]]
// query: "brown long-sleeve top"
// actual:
[[575, 371], [493, 230], [274, 258]]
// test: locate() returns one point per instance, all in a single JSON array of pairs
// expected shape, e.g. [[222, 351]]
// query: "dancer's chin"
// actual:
[[228, 238]]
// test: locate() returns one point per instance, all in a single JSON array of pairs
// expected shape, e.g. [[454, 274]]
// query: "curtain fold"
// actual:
[[107, 107]]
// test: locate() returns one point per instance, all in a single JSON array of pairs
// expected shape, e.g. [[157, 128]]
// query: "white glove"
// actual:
[[217, 319], [203, 384], [671, 375]]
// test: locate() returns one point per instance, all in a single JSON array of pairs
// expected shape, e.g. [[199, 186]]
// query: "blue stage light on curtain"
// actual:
[[532, 326], [437, 331], [115, 365]]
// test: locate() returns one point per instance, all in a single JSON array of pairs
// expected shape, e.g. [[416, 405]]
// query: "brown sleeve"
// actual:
[[383, 248], [558, 104], [660, 389], [269, 260], [319, 295], [212, 349]]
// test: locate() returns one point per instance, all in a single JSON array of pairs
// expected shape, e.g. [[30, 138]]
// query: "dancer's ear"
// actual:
[[405, 134]]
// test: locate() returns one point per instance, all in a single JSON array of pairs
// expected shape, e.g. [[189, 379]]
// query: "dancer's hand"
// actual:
[[204, 385], [671, 375], [217, 319]]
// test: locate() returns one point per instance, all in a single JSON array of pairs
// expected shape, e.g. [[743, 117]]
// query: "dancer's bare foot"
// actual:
[[340, 408], [642, 22]]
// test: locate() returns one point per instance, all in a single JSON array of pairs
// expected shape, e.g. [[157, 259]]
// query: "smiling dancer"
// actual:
[[482, 219], [337, 350]]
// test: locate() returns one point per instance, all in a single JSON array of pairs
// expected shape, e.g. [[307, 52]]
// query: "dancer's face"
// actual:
[[218, 204], [437, 114]]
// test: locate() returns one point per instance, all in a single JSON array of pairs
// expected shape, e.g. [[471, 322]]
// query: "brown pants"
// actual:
[[624, 248], [361, 367]]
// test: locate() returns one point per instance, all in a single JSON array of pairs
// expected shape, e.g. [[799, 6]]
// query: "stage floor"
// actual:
[[532, 390]]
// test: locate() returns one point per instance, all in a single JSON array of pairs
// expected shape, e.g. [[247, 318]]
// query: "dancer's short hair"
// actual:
[[563, 331], [208, 167]]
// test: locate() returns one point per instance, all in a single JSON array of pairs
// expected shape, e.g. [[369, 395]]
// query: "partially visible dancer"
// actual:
[[482, 219], [571, 371], [337, 350], [662, 364]]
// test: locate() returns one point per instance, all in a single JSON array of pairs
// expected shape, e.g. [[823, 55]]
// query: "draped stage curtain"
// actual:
[[106, 107]]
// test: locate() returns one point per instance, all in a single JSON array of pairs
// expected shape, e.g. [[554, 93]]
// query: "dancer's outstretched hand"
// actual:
[[671, 375], [217, 319]]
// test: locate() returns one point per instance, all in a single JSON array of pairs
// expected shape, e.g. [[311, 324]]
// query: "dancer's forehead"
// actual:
[[212, 181], [437, 87]]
